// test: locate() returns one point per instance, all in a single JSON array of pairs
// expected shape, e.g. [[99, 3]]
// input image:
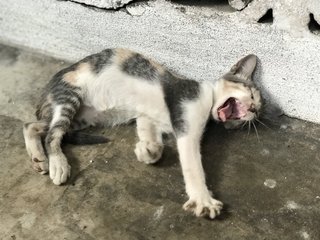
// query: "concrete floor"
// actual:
[[270, 188]]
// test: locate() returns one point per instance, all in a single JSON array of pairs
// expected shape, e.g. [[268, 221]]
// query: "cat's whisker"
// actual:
[[249, 128], [263, 124], [256, 131], [244, 124]]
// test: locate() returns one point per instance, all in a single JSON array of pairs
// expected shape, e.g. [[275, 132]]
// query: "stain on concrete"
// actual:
[[27, 220]]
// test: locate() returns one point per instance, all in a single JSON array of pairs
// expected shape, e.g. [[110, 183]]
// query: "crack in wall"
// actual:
[[106, 5], [131, 7]]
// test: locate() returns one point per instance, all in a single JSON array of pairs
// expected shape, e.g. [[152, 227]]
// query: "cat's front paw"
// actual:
[[59, 169], [148, 152], [203, 207]]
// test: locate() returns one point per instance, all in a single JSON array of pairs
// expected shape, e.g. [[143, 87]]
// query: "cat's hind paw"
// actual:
[[208, 207], [59, 169], [148, 152], [40, 164]]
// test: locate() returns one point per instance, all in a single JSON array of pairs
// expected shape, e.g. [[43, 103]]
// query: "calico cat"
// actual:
[[118, 85]]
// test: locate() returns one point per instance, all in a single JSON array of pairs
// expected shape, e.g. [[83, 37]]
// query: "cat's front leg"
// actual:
[[149, 148], [200, 200]]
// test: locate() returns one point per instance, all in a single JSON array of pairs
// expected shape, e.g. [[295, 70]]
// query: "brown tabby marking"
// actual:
[[71, 77]]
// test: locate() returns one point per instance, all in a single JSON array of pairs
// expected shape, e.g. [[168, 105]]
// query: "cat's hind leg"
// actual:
[[149, 148], [59, 169], [33, 133]]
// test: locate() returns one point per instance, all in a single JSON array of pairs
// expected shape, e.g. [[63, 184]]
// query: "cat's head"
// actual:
[[236, 99]]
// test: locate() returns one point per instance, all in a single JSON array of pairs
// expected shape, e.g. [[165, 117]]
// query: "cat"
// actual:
[[118, 85]]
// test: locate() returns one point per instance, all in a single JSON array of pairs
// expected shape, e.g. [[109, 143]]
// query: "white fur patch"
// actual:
[[59, 169], [56, 115]]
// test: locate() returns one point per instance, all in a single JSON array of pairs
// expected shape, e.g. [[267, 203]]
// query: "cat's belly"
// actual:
[[112, 117], [120, 98]]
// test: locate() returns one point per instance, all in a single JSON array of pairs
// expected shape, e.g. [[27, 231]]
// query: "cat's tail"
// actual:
[[34, 134], [80, 138]]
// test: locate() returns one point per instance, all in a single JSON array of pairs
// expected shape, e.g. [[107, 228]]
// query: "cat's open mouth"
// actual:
[[232, 109]]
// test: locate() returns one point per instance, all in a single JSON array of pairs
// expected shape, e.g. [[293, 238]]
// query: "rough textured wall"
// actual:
[[292, 16], [200, 43]]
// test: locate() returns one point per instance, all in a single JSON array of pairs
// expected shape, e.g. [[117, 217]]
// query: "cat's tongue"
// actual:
[[231, 109], [225, 111]]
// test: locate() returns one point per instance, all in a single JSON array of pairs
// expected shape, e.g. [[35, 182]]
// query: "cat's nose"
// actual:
[[252, 108]]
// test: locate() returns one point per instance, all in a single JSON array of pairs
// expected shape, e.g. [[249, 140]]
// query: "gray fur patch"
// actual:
[[139, 66], [176, 90], [61, 93], [233, 78], [100, 60]]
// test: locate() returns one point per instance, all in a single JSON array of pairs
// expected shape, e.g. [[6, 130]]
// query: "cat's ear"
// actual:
[[244, 68]]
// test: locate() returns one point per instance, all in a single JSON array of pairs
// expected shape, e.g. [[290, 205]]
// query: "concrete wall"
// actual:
[[198, 42]]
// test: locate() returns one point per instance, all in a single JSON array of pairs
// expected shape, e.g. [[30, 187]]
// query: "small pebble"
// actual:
[[270, 183], [283, 126], [292, 205], [305, 235], [265, 152]]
